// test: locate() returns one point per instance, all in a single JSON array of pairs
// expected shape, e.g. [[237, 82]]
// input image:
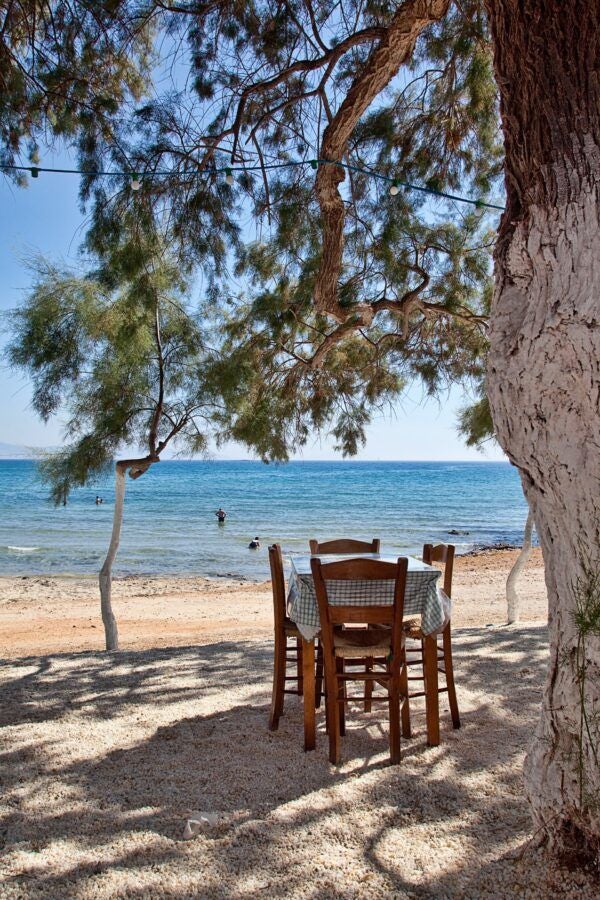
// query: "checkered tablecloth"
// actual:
[[421, 598]]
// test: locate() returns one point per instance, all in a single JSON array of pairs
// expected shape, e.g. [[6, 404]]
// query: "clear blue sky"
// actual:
[[45, 217]]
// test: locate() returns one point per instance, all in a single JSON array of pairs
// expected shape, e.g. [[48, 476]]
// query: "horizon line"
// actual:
[[285, 462]]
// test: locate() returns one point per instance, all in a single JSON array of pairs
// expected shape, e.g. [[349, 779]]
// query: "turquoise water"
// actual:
[[170, 526]]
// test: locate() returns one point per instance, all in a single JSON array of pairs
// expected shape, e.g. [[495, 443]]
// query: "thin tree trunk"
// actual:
[[136, 468], [512, 598], [544, 369]]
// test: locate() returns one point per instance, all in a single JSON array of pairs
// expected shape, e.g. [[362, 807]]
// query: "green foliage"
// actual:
[[117, 351], [72, 467], [272, 403], [255, 84], [279, 351], [67, 69], [475, 423], [586, 618], [423, 268], [586, 615]]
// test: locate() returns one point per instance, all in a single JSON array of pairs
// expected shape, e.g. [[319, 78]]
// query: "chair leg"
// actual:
[[394, 704], [333, 717], [368, 685], [319, 676], [449, 668], [432, 696], [341, 695], [278, 681], [406, 729], [299, 668]]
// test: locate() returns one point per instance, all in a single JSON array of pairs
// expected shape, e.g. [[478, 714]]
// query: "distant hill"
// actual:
[[16, 451]]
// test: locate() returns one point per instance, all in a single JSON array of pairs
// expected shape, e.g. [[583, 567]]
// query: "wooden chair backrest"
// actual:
[[376, 614], [444, 554], [344, 545], [277, 584]]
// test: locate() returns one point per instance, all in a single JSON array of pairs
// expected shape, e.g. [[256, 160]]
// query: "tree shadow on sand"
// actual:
[[37, 689], [442, 822]]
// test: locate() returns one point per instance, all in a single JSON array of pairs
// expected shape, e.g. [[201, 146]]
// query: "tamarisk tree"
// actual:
[[338, 74], [118, 351], [282, 95]]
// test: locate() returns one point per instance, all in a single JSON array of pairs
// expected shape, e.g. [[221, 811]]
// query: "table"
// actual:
[[421, 598]]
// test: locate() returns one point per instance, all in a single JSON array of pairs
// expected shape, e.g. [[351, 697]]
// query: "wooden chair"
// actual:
[[348, 646], [444, 554], [285, 630], [343, 546]]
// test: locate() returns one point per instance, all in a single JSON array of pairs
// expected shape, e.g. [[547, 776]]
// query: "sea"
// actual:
[[170, 526]]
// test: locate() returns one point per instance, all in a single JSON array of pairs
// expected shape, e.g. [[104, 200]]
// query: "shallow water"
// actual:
[[170, 526]]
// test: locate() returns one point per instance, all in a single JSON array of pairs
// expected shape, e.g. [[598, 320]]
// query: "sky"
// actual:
[[46, 218]]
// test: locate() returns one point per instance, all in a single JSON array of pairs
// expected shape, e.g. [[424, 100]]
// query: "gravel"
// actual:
[[106, 758]]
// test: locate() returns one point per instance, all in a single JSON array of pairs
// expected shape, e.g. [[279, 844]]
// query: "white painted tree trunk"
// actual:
[[544, 388], [544, 369], [136, 468], [512, 597], [110, 623]]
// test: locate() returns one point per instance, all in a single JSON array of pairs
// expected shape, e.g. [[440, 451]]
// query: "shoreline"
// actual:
[[42, 615], [477, 550]]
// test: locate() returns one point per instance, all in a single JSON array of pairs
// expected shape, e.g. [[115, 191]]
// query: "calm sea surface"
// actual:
[[170, 526]]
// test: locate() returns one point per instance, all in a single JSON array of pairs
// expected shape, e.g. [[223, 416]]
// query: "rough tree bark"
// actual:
[[512, 598], [544, 368], [136, 468]]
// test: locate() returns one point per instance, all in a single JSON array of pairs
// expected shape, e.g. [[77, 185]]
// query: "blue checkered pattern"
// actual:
[[421, 597]]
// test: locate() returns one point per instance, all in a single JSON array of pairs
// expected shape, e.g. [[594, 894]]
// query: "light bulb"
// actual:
[[135, 183], [394, 189], [228, 176]]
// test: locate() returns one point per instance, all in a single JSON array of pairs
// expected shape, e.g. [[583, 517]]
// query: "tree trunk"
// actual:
[[110, 623], [544, 371], [512, 598], [136, 468]]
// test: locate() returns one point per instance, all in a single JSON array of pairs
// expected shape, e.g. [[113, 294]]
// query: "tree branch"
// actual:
[[395, 48]]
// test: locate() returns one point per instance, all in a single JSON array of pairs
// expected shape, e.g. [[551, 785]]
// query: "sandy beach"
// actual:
[[106, 757], [41, 614]]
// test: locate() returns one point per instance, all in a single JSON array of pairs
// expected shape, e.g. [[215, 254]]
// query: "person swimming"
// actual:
[[98, 500], [254, 544], [220, 514]]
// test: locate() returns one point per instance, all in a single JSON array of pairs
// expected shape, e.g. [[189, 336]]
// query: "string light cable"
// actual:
[[136, 179]]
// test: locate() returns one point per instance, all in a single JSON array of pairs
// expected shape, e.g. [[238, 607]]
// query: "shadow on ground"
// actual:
[[104, 757]]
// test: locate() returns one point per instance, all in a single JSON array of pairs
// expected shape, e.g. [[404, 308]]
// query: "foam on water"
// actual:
[[21, 549]]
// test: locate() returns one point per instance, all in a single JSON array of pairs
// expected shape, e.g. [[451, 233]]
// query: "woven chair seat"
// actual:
[[361, 642], [291, 628], [412, 629]]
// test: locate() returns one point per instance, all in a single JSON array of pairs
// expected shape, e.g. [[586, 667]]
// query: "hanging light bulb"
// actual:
[[135, 182], [394, 189], [228, 176], [34, 172], [314, 164]]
